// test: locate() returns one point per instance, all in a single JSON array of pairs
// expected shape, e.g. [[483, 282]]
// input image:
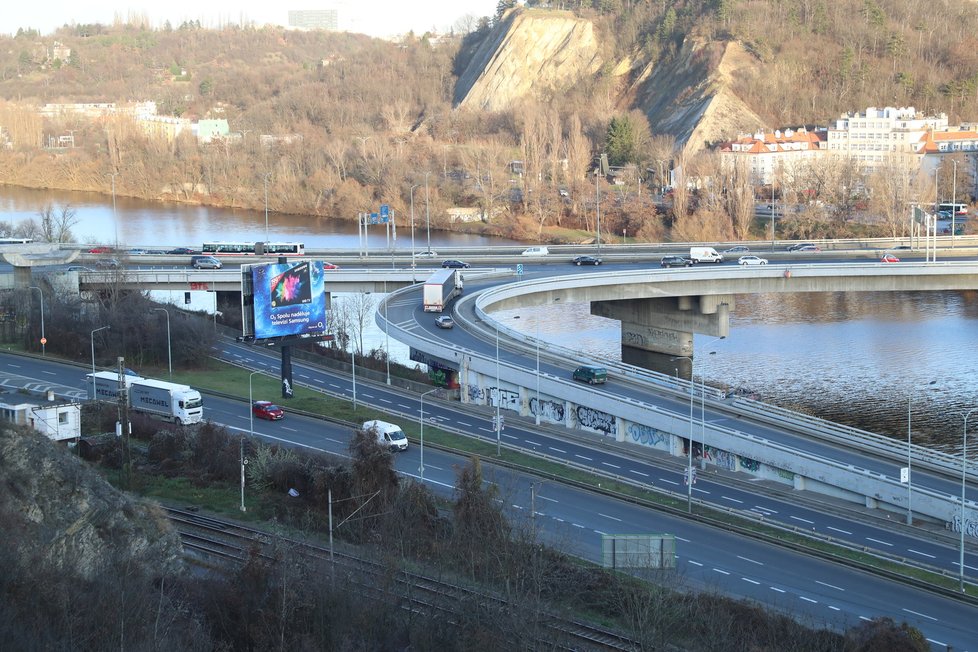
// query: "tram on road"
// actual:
[[253, 248]]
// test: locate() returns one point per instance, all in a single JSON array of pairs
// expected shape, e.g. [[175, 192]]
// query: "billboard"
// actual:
[[289, 299]]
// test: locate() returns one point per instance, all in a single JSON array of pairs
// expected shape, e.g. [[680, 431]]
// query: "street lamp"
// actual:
[[689, 469], [44, 340], [703, 401], [910, 458], [115, 221], [413, 262], [427, 209], [597, 194], [353, 361], [536, 412], [954, 198], [498, 396], [964, 467], [421, 468], [169, 350], [387, 339], [267, 174], [100, 328]]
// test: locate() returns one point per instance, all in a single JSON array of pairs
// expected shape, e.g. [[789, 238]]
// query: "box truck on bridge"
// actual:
[[180, 404], [440, 288]]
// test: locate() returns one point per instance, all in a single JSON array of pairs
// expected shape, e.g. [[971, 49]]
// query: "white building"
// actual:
[[767, 154], [57, 420], [878, 135]]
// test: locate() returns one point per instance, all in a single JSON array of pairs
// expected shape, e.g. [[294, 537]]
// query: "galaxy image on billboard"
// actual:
[[290, 299]]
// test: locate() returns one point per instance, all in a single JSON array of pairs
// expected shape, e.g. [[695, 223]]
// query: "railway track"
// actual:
[[229, 542]]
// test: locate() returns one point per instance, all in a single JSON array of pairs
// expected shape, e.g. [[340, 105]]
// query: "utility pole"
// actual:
[[122, 426]]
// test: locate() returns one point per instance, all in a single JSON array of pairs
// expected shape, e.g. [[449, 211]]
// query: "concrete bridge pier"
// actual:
[[665, 325]]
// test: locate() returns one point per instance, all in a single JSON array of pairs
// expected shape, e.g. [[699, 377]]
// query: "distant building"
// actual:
[[768, 153], [879, 135], [208, 130], [57, 420], [325, 19]]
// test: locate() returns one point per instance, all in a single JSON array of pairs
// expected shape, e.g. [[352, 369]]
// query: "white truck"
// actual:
[[180, 404], [705, 255], [388, 434], [440, 288]]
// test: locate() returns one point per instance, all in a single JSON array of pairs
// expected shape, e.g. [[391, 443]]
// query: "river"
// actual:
[[855, 358]]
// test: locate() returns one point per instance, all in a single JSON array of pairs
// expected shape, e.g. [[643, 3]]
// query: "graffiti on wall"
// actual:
[[508, 399], [971, 526], [645, 435], [787, 475], [552, 411], [748, 464], [723, 459], [596, 420]]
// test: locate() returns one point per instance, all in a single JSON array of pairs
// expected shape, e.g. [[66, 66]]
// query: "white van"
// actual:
[[536, 251], [388, 434], [705, 255]]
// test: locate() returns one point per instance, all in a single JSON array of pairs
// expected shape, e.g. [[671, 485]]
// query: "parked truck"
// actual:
[[180, 404], [440, 288]]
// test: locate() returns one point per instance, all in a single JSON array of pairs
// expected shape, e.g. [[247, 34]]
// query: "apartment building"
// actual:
[[879, 135], [778, 152]]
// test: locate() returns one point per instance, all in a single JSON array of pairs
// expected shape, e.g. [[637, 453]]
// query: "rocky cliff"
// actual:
[[528, 52], [65, 517]]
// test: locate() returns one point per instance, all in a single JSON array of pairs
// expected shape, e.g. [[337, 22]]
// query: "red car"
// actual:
[[267, 410], [100, 250], [330, 265], [889, 258]]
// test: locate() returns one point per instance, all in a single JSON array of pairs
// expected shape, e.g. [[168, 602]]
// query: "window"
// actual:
[[62, 418]]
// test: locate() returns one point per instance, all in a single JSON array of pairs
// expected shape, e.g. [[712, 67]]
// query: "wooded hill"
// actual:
[[367, 119]]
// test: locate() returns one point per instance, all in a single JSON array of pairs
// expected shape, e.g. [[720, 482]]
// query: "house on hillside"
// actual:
[[59, 420], [767, 154]]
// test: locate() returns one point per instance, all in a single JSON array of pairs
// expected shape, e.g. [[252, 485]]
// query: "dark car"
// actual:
[[454, 264], [675, 261], [798, 246], [738, 249], [107, 263], [808, 247], [267, 410], [444, 322], [181, 251], [79, 268], [586, 260]]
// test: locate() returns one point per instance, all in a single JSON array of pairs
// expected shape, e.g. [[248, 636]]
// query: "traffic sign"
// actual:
[[519, 269], [44, 340]]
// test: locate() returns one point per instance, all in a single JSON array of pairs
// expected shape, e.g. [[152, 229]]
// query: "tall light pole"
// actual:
[[703, 401], [100, 328], [169, 350], [421, 468], [413, 261], [387, 339], [44, 340], [964, 469], [115, 220], [267, 174], [251, 429], [597, 195], [910, 458], [689, 468], [427, 209], [498, 396], [954, 198], [353, 362]]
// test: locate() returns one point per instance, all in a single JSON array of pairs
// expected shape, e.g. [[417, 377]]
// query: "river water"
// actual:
[[856, 358]]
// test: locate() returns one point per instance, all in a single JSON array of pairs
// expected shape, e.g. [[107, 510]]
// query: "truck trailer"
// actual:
[[440, 288], [180, 404]]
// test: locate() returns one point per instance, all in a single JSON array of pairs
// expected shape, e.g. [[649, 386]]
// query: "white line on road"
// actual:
[[682, 539], [831, 586], [937, 643], [307, 376], [695, 563], [803, 520], [834, 608], [882, 543], [644, 475], [917, 613], [506, 436], [808, 599], [577, 525], [774, 588], [557, 449], [533, 443], [866, 619], [289, 429], [50, 373], [611, 517], [467, 425], [733, 500], [604, 534], [583, 458], [838, 530], [335, 441], [384, 400], [668, 481], [553, 500], [702, 491], [917, 552], [750, 560], [614, 466], [747, 579], [723, 572]]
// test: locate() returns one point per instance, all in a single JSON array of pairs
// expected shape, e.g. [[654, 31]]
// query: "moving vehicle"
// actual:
[[454, 264], [180, 404], [739, 249], [889, 258], [954, 208], [440, 288], [590, 375], [586, 260], [79, 268], [205, 262], [798, 246], [444, 322], [675, 261], [101, 249], [808, 247], [426, 254], [388, 434], [107, 263], [329, 265], [267, 410], [705, 255], [253, 248], [181, 251], [535, 251], [751, 260]]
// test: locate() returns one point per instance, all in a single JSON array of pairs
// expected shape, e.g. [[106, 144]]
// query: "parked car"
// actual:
[[798, 246], [107, 263], [181, 251], [739, 249], [535, 251], [426, 254], [102, 249], [586, 260], [267, 410], [889, 258], [454, 264], [675, 261], [205, 262], [751, 260], [444, 322]]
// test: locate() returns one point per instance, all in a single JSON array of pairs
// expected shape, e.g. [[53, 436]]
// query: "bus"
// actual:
[[952, 208], [11, 241], [253, 249]]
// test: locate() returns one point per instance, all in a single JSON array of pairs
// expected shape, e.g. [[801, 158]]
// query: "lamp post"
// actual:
[[964, 469], [44, 340], [169, 350], [498, 395], [251, 429], [539, 406], [100, 328], [689, 468], [267, 174], [387, 339], [413, 261], [597, 195], [115, 221], [353, 362], [703, 402], [421, 468], [241, 458], [427, 210], [910, 458], [954, 199]]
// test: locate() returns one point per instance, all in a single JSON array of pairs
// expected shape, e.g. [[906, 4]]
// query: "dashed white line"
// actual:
[[682, 539], [467, 425], [803, 520], [553, 448], [611, 517], [289, 429], [831, 586], [614, 466], [305, 376], [834, 608], [838, 530], [866, 619], [750, 560], [917, 613], [644, 475], [668, 481], [50, 373], [533, 443], [774, 588], [917, 552], [722, 572], [384, 400], [583, 458], [559, 520], [808, 599], [747, 579], [553, 500], [577, 525], [937, 643], [882, 543], [695, 563], [604, 534], [733, 500], [506, 436]]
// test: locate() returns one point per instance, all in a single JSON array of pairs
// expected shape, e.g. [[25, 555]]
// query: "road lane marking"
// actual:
[[834, 608], [557, 449], [506, 436], [695, 563], [644, 475], [750, 560], [831, 586], [774, 588], [882, 543], [388, 401], [808, 599], [747, 579], [467, 425], [583, 458], [733, 500], [533, 443], [803, 520], [917, 613], [50, 373], [682, 539], [289, 429], [614, 466], [838, 530], [917, 552], [668, 481], [577, 525], [937, 643], [611, 517], [553, 500], [723, 572]]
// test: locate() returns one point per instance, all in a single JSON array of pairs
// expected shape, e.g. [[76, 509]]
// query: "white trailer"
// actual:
[[440, 288], [180, 404]]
